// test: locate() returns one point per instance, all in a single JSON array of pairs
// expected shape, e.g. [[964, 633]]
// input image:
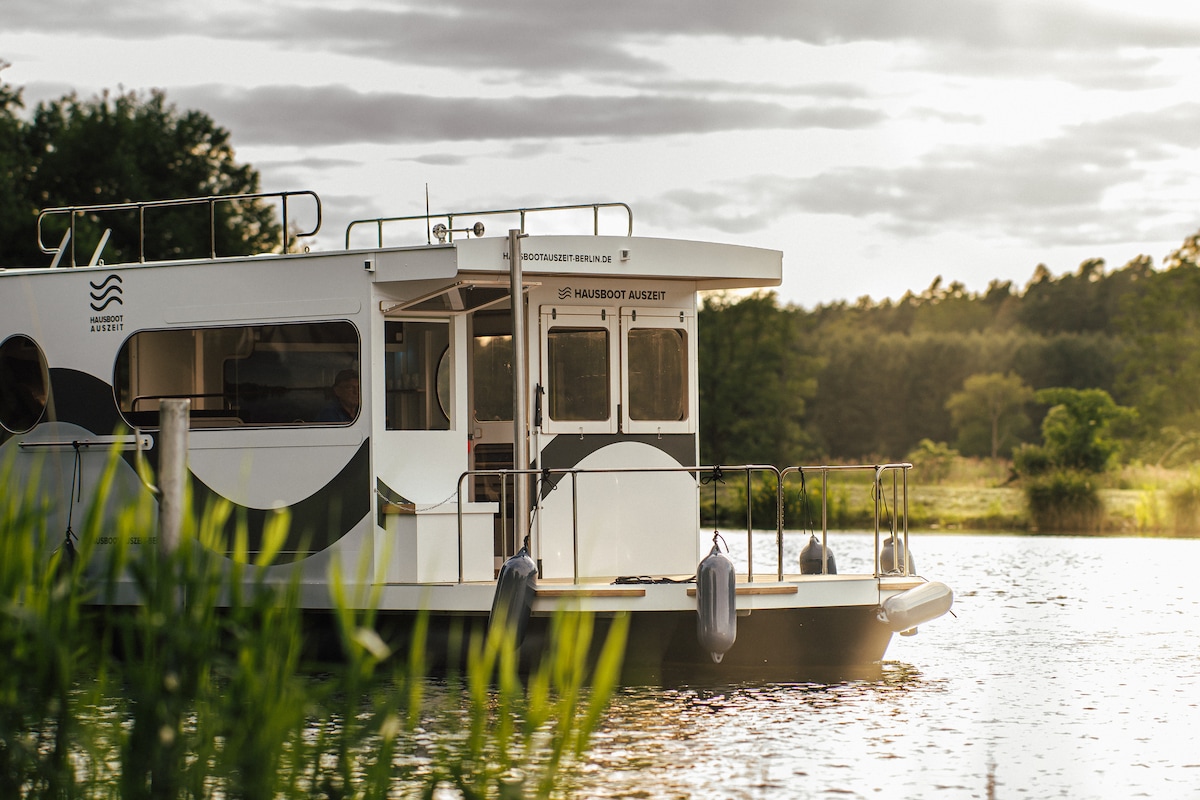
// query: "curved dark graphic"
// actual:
[[83, 400], [113, 277], [317, 521], [106, 303], [106, 292], [564, 293], [567, 451]]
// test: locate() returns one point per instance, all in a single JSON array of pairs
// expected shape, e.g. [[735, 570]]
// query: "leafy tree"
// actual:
[[932, 461], [1080, 440], [1160, 322], [857, 393], [123, 148], [1084, 301], [989, 412], [15, 207], [754, 382], [1072, 359], [1080, 432]]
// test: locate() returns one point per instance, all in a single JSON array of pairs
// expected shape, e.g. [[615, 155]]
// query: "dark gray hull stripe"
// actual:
[[317, 521]]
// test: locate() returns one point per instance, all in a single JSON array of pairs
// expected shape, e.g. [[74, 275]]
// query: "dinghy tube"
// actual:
[[716, 603], [907, 610], [515, 588]]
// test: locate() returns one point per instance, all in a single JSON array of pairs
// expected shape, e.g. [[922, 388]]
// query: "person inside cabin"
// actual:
[[344, 407]]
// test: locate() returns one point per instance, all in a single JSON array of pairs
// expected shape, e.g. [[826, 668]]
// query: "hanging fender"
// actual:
[[916, 606], [512, 604], [716, 603]]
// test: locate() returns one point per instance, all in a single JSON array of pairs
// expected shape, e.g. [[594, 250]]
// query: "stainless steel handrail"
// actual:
[[379, 222], [749, 469], [135, 441], [504, 474], [141, 206], [895, 469]]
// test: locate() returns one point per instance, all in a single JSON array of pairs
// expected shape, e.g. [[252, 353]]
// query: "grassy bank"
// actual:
[[967, 494]]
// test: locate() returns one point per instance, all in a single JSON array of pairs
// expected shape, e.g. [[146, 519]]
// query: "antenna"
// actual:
[[427, 239]]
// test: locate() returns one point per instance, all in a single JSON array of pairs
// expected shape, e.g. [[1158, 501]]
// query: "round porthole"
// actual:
[[24, 384]]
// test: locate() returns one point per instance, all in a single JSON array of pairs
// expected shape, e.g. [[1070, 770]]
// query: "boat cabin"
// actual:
[[369, 390]]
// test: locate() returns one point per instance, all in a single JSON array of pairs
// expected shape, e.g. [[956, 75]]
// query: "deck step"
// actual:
[[591, 591], [750, 589]]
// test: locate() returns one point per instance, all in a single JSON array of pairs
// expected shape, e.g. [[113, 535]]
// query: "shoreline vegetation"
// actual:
[[983, 495], [203, 689]]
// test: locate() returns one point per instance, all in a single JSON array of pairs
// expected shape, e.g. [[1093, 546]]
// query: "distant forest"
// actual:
[[873, 380]]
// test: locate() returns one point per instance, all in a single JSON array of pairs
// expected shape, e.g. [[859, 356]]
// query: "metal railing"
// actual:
[[140, 207], [899, 475], [897, 471], [448, 230]]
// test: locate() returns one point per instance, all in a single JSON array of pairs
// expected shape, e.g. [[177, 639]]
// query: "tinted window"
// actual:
[[657, 363], [262, 375], [492, 364], [24, 383], [578, 380], [417, 367]]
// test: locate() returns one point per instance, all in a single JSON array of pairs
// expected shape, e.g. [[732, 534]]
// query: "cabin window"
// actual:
[[417, 369], [658, 380], [492, 368], [657, 374], [578, 374], [626, 370], [24, 384], [252, 375]]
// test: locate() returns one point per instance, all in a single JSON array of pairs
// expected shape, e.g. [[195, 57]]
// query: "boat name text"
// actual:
[[107, 323], [618, 294], [575, 258]]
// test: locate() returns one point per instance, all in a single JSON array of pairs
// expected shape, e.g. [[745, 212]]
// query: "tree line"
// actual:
[[871, 380]]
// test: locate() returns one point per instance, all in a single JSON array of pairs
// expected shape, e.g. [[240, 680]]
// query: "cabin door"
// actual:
[[491, 416]]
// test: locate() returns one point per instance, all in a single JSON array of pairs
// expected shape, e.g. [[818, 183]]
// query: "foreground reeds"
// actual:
[[199, 689]]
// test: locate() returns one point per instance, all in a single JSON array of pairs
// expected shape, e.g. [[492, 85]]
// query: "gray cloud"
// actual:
[[1049, 193], [548, 37], [337, 115], [1114, 69], [439, 160]]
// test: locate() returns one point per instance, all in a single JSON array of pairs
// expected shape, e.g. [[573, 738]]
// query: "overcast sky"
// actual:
[[877, 144]]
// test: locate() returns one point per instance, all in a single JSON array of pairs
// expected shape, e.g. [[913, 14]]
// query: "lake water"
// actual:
[[1070, 670]]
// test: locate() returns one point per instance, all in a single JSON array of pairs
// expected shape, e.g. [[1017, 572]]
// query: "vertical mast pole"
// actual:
[[520, 390]]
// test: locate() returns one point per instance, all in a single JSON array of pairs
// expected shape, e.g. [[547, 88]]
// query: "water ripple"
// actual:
[[1069, 671]]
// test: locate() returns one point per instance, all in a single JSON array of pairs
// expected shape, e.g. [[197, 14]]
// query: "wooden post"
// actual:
[[172, 471]]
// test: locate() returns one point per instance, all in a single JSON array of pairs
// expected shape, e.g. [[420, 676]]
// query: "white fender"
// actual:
[[916, 606]]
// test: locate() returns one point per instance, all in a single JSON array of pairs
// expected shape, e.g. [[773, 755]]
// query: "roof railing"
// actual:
[[140, 207], [446, 232]]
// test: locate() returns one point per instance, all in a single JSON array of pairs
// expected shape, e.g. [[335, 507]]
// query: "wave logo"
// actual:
[[564, 293], [107, 292]]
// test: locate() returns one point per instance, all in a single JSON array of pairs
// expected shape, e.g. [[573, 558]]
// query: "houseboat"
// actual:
[[433, 415]]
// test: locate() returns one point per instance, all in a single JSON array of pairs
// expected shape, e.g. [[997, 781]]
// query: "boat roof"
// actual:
[[473, 255]]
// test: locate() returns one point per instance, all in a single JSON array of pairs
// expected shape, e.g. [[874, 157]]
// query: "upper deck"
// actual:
[[558, 244]]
